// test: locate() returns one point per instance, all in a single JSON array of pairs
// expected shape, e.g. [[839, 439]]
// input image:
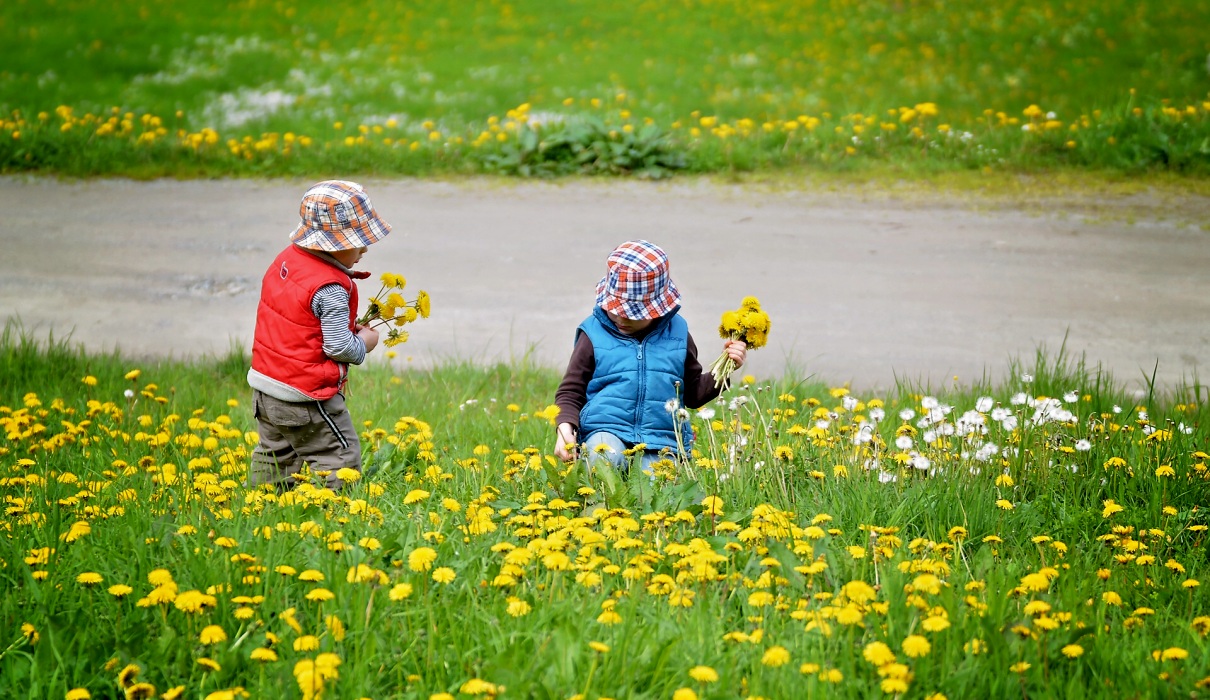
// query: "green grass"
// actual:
[[821, 544], [258, 88]]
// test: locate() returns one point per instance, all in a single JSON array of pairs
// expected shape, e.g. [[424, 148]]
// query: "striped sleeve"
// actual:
[[331, 306]]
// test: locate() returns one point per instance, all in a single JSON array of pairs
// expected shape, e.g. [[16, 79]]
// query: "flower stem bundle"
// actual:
[[747, 323], [389, 308]]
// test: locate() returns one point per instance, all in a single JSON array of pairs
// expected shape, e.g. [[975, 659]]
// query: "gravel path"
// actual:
[[861, 286]]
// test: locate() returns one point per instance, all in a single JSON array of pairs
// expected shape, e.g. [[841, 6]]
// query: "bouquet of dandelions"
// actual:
[[389, 308], [747, 323]]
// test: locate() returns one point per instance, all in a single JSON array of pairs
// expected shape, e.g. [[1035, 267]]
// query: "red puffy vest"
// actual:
[[288, 342]]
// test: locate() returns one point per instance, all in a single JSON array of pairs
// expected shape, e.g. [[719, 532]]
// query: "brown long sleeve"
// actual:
[[572, 393], [699, 385]]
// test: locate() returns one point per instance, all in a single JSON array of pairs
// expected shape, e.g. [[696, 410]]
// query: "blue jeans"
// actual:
[[612, 454]]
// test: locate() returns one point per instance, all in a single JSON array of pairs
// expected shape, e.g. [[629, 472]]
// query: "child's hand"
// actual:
[[737, 350], [566, 446], [368, 335]]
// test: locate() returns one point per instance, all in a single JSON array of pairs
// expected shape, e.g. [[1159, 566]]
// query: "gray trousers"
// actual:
[[318, 433]]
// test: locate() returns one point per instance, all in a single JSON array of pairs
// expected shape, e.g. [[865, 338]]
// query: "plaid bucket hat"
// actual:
[[636, 284], [337, 215]]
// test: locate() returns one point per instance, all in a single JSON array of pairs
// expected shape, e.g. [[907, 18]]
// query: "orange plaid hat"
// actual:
[[337, 215], [636, 284]]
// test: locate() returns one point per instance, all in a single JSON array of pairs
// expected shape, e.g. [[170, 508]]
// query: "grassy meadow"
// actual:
[[189, 88], [1041, 536]]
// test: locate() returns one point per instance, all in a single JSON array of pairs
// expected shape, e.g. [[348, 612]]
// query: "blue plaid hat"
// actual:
[[636, 284]]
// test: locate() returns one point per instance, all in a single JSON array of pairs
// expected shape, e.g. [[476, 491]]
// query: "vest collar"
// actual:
[[325, 257], [603, 318]]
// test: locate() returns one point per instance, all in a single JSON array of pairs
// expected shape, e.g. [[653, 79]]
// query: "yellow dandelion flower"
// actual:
[[320, 595], [444, 574], [263, 654], [1035, 582], [831, 675], [848, 615], [194, 602], [78, 529], [361, 573], [878, 654], [517, 607], [916, 646], [400, 591], [415, 496], [478, 686], [336, 627], [609, 617], [894, 686], [128, 675], [421, 559], [775, 656], [859, 591], [1073, 651], [935, 623], [703, 674], [212, 634], [712, 505]]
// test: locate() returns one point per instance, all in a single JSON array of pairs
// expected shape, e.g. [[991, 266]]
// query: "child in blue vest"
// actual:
[[633, 366]]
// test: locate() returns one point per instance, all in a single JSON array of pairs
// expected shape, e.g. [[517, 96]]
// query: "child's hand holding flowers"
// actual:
[[389, 308], [746, 327]]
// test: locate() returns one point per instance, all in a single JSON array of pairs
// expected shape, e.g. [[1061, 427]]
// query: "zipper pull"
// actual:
[[640, 351]]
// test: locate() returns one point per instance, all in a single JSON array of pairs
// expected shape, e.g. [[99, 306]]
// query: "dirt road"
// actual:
[[861, 286]]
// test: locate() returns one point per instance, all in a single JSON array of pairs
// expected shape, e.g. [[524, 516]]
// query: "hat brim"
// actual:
[[373, 231], [639, 309]]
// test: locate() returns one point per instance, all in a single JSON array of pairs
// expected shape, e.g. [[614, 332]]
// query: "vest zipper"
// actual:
[[638, 418]]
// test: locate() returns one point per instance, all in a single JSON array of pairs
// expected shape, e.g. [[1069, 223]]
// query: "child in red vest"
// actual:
[[307, 336]]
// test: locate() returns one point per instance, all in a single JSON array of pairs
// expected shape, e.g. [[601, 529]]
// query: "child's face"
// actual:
[[629, 326], [349, 258]]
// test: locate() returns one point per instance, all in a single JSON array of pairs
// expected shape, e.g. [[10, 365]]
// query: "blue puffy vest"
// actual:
[[634, 380]]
